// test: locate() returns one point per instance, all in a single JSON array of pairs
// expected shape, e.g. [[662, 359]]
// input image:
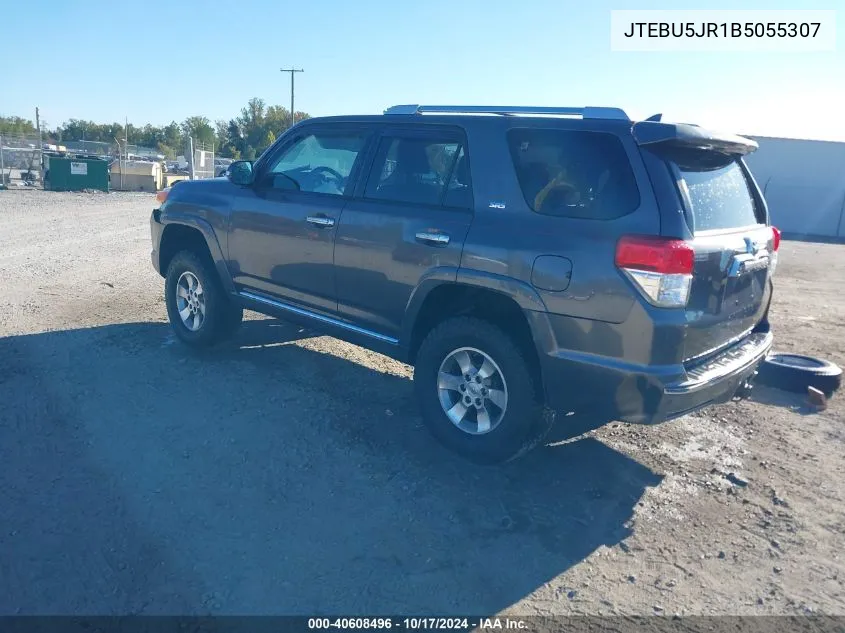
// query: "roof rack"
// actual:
[[587, 113]]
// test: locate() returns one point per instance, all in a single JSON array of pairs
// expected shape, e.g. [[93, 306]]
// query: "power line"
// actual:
[[292, 72]]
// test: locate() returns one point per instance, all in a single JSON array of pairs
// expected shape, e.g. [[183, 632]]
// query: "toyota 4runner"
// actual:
[[524, 260]]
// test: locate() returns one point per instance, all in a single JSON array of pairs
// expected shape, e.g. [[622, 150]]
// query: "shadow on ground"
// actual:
[[795, 402], [264, 477]]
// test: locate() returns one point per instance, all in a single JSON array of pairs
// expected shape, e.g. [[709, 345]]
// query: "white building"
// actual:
[[803, 182]]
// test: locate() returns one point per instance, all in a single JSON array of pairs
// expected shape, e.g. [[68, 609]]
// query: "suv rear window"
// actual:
[[574, 174], [719, 197]]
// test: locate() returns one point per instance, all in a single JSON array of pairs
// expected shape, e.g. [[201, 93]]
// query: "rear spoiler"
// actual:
[[654, 133]]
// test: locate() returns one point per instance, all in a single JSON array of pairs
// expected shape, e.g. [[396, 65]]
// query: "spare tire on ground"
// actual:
[[793, 372]]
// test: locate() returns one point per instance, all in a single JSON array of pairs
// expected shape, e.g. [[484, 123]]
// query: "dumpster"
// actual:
[[68, 173]]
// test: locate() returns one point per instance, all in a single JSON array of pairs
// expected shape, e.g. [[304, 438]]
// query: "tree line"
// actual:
[[244, 136]]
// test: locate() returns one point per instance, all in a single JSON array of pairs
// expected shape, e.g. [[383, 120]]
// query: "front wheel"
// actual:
[[476, 391], [199, 311]]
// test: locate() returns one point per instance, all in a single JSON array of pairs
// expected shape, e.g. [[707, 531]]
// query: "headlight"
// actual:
[[161, 196]]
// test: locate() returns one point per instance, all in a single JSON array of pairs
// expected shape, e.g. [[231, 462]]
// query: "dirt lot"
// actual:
[[290, 473]]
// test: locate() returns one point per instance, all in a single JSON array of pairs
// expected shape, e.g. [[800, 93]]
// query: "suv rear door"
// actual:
[[408, 220], [735, 249]]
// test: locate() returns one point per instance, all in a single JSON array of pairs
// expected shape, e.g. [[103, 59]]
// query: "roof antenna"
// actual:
[[655, 117]]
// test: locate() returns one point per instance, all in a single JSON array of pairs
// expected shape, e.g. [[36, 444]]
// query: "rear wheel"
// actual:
[[476, 391], [199, 310]]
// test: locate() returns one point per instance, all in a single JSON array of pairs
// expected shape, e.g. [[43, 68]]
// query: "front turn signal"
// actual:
[[161, 196]]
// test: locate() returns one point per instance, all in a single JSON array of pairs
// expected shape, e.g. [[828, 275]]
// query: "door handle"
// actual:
[[320, 220], [433, 239]]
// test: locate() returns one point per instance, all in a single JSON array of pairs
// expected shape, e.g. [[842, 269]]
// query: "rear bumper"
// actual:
[[714, 381], [612, 389]]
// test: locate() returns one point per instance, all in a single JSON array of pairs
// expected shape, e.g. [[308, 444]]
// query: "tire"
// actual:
[[221, 318], [792, 372], [513, 431]]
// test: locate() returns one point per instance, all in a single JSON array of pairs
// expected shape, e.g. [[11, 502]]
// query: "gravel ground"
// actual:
[[289, 473]]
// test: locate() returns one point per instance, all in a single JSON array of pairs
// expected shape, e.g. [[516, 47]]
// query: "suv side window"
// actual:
[[428, 170], [319, 162], [575, 174]]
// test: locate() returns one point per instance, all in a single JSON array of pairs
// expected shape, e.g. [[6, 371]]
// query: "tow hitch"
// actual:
[[744, 390]]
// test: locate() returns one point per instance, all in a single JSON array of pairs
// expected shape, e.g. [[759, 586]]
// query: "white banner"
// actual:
[[721, 31]]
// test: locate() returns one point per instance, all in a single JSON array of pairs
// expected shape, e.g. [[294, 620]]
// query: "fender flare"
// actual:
[[207, 231], [526, 297]]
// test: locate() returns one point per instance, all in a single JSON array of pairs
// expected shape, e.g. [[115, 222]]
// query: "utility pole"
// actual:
[[40, 146], [119, 161], [191, 157], [125, 148], [292, 72]]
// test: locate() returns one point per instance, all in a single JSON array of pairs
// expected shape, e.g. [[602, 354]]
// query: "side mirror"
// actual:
[[240, 173]]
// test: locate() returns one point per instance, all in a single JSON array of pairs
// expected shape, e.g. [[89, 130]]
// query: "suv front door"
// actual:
[[410, 216], [282, 229]]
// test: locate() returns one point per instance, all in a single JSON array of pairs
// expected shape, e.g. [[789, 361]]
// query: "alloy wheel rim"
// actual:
[[190, 301], [472, 390]]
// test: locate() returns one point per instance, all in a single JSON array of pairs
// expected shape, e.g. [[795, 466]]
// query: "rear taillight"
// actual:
[[775, 238], [661, 268], [773, 260]]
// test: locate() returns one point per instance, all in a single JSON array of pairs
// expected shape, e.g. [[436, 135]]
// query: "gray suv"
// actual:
[[524, 260]]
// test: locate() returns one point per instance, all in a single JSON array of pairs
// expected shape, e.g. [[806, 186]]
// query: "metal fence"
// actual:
[[95, 148], [20, 161], [203, 165]]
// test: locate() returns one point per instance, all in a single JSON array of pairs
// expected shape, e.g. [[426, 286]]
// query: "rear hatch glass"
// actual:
[[719, 197], [729, 292]]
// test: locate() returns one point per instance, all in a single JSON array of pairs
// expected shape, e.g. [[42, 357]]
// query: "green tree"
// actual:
[[16, 126], [221, 129], [73, 130], [173, 136], [231, 140], [252, 124], [256, 128], [199, 128], [169, 152], [253, 115], [277, 120], [149, 136]]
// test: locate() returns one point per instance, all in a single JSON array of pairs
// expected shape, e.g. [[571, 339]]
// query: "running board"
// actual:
[[317, 317]]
